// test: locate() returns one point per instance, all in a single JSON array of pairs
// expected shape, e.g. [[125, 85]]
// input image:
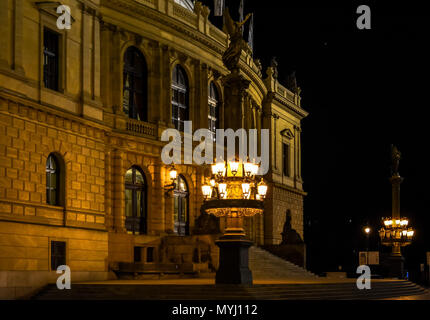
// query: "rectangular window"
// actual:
[[150, 254], [51, 59], [286, 159], [58, 254], [137, 254]]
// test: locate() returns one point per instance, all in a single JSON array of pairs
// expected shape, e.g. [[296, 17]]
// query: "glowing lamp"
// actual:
[[234, 167], [410, 234], [262, 189], [218, 169], [213, 182], [207, 191], [246, 190], [173, 174], [222, 189]]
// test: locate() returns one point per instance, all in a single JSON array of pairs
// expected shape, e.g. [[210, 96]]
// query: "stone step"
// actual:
[[380, 290], [265, 265]]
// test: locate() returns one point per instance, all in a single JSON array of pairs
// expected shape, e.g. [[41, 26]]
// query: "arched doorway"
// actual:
[[181, 207]]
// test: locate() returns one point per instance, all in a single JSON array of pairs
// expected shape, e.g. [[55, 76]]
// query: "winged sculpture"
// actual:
[[234, 30]]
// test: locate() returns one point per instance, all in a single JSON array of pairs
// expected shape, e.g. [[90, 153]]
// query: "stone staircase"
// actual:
[[381, 289], [288, 282], [266, 266]]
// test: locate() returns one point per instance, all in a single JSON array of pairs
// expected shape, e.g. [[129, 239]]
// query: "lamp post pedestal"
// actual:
[[395, 265], [233, 259]]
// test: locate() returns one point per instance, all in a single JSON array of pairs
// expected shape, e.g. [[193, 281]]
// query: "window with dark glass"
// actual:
[[213, 102], [52, 181], [135, 85], [138, 254], [181, 195], [58, 254], [286, 159], [150, 254], [135, 201], [50, 59], [179, 97]]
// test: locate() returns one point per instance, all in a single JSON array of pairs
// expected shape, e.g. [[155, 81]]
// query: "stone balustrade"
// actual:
[[141, 128]]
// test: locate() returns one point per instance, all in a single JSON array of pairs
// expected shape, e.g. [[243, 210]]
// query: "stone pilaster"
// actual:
[[18, 36], [155, 82], [5, 26], [166, 84], [118, 191]]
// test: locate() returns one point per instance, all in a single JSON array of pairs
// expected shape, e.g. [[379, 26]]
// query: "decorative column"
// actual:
[[233, 202], [396, 180], [275, 118], [395, 231], [235, 87]]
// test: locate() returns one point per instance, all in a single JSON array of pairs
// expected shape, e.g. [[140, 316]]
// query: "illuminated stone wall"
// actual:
[[83, 123]]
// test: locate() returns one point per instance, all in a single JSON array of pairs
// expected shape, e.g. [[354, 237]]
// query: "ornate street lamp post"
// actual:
[[395, 231], [234, 193], [367, 231]]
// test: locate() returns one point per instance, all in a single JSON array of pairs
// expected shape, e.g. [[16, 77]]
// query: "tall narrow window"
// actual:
[[50, 59], [52, 181], [135, 201], [181, 194], [58, 254], [135, 85], [213, 115], [286, 159], [179, 97]]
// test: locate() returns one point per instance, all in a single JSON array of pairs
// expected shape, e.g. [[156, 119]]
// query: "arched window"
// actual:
[[179, 97], [181, 210], [54, 181], [135, 201], [135, 85], [213, 115]]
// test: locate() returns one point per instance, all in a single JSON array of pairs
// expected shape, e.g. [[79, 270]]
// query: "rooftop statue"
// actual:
[[395, 158], [292, 83], [234, 30]]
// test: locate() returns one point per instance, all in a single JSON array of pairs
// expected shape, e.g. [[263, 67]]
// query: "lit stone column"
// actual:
[[108, 191], [5, 26], [18, 36], [299, 153], [155, 83], [96, 58], [118, 191], [116, 72], [158, 200], [166, 86], [105, 58], [296, 156], [168, 201], [86, 66], [202, 114], [274, 134]]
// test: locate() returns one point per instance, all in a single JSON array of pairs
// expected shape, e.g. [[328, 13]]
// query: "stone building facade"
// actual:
[[81, 178]]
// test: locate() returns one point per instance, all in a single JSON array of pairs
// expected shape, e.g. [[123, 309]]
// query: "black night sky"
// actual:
[[364, 90]]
